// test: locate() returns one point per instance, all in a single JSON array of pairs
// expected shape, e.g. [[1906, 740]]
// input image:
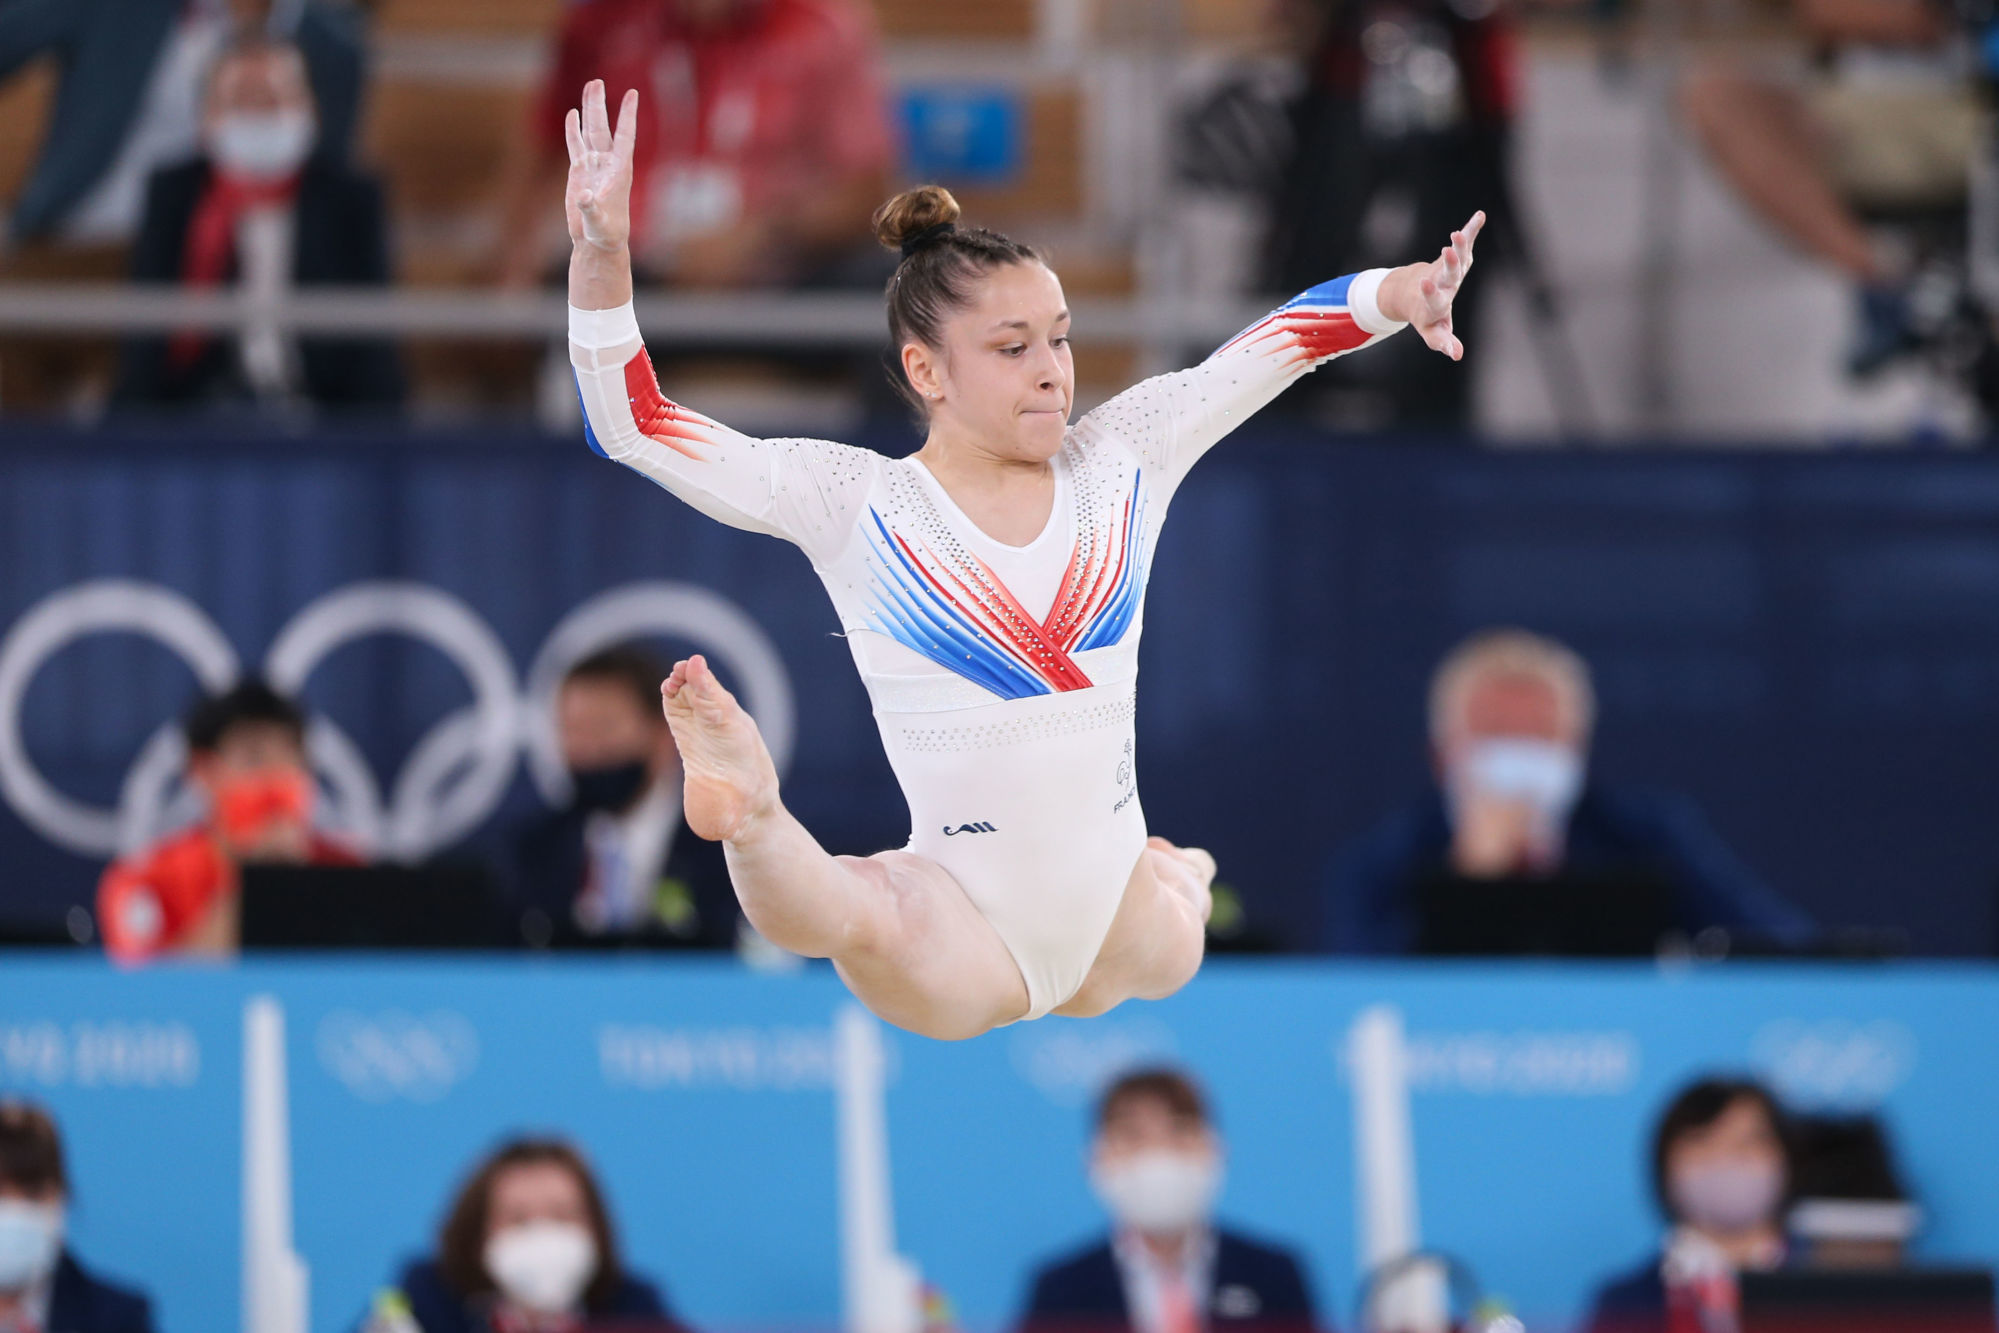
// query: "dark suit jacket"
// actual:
[[1257, 1287], [547, 874], [82, 1303], [1633, 1303], [1370, 908], [436, 1308], [341, 239], [104, 52]]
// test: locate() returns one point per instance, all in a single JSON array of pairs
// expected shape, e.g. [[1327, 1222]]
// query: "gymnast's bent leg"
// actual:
[[900, 930], [1157, 939]]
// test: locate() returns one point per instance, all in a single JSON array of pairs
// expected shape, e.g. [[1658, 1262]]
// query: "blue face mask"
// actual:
[[30, 1241], [1541, 774]]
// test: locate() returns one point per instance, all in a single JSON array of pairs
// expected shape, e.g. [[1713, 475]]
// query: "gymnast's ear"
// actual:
[[924, 367]]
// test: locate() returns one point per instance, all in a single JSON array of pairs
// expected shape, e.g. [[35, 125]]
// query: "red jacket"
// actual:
[[765, 113], [146, 904]]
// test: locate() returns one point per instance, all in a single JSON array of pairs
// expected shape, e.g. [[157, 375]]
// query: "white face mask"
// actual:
[[1159, 1192], [543, 1266], [262, 145], [1728, 1197], [30, 1242], [1542, 774]]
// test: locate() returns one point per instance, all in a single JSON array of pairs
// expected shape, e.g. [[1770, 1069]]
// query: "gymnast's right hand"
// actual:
[[598, 202]]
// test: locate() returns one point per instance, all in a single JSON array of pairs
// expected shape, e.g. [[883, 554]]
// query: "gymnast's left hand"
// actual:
[[1421, 294]]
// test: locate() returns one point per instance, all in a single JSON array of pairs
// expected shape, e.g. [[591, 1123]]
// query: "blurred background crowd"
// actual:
[[1713, 219], [1746, 1191]]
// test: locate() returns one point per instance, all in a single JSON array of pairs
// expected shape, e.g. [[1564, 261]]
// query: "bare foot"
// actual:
[[730, 778]]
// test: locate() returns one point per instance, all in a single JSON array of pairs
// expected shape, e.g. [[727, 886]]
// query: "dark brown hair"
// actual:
[[249, 702], [1169, 1087], [940, 261], [30, 1150], [1699, 1105], [629, 666], [461, 1245]]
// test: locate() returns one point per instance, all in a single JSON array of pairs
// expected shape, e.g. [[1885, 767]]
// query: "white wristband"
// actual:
[[1362, 303], [603, 328]]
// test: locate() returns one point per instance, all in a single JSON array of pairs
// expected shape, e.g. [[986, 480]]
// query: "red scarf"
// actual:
[[211, 244]]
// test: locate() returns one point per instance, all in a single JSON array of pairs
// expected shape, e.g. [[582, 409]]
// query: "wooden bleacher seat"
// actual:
[[931, 20], [486, 18], [24, 101], [1051, 179], [441, 147]]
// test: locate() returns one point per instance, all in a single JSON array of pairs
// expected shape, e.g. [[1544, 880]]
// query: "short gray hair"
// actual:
[[1513, 652]]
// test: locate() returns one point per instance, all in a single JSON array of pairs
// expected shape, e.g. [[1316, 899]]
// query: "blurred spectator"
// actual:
[[43, 1289], [1511, 715], [764, 143], [1851, 1209], [1156, 1164], [263, 209], [528, 1247], [128, 98], [1888, 121], [1721, 1173], [1402, 132], [246, 754], [618, 860]]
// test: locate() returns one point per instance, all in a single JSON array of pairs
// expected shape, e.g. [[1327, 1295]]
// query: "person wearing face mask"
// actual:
[[138, 67], [768, 137], [263, 209], [1156, 1166], [43, 1289], [1721, 1172], [246, 755], [527, 1247], [1511, 717], [617, 861]]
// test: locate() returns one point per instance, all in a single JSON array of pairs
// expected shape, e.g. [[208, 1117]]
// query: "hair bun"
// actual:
[[903, 221]]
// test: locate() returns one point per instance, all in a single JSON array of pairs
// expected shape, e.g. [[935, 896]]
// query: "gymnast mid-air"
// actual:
[[991, 587]]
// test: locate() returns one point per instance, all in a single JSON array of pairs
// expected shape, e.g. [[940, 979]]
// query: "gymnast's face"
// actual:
[[1003, 378]]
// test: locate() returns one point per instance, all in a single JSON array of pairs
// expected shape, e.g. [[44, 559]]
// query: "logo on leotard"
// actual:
[[1124, 766], [950, 832]]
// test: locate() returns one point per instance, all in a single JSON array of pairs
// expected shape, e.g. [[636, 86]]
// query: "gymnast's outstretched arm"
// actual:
[[806, 491], [1171, 420]]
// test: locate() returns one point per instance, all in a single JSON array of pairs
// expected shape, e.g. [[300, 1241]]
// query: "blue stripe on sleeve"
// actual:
[[1326, 293], [589, 436]]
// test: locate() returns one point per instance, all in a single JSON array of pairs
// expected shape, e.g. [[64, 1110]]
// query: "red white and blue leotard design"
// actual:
[[967, 621], [1001, 676]]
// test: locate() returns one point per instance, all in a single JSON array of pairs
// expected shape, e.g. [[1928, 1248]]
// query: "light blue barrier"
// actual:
[[703, 1094]]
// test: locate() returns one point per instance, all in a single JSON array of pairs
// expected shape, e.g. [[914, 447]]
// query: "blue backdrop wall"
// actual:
[[702, 1092], [1808, 645]]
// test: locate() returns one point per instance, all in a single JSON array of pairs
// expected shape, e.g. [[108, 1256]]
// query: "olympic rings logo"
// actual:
[[455, 776]]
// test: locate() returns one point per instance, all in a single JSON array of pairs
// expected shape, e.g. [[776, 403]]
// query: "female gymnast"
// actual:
[[991, 587]]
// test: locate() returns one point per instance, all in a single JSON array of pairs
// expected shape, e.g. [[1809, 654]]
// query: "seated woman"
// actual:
[[42, 1286], [527, 1247], [1721, 1171]]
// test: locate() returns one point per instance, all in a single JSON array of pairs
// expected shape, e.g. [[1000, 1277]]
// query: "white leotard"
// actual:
[[1001, 676]]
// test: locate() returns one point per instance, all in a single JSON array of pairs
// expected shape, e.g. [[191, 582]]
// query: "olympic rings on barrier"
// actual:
[[456, 775]]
